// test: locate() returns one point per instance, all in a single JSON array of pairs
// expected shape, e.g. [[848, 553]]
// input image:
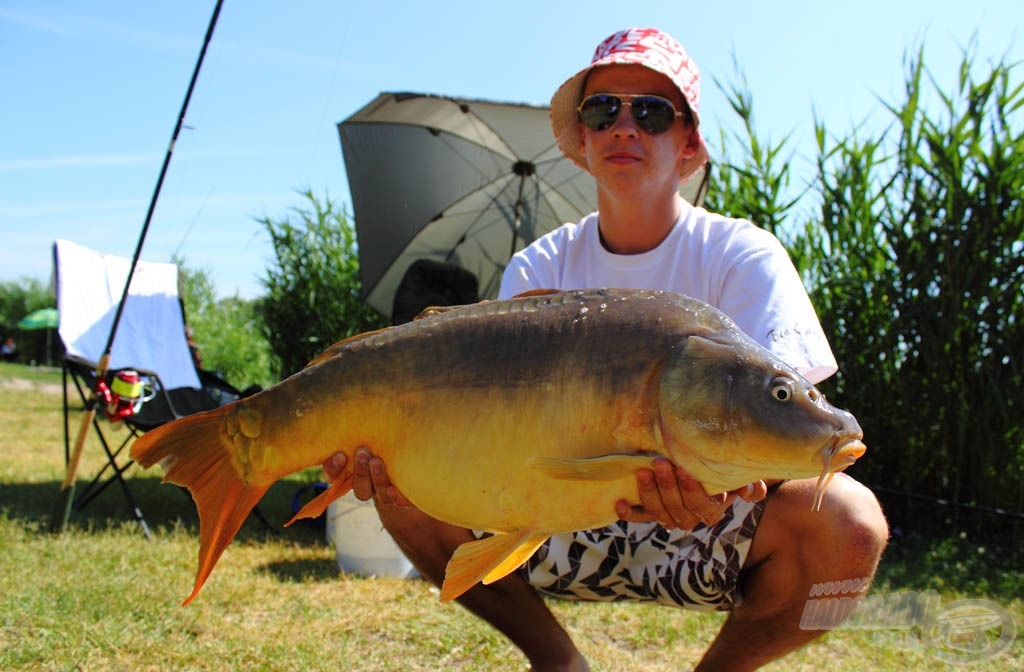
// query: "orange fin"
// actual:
[[536, 292], [195, 456], [430, 311], [488, 560], [318, 504], [335, 348]]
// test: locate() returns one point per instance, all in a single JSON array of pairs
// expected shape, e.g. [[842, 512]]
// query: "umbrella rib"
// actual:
[[446, 137], [466, 107]]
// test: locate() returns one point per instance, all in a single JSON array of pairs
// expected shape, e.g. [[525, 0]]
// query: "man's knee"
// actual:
[[858, 518], [848, 533], [850, 524]]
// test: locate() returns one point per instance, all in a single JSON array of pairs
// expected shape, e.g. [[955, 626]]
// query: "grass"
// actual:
[[100, 596]]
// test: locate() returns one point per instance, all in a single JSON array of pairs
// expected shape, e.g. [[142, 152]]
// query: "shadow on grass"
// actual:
[[303, 570], [163, 506]]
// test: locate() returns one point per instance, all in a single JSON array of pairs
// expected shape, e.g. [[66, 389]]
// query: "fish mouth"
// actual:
[[846, 453], [843, 452]]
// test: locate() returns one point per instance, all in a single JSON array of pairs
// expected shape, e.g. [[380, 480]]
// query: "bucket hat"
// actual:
[[650, 48]]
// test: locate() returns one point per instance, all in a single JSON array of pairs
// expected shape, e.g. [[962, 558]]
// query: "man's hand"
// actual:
[[675, 499], [370, 477]]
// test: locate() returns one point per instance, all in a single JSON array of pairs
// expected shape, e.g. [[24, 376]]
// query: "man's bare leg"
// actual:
[[510, 605], [793, 549]]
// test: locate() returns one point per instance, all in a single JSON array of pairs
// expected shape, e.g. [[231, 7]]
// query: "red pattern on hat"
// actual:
[[659, 52]]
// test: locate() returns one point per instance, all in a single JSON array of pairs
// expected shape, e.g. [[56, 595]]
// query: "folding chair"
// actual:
[[152, 377]]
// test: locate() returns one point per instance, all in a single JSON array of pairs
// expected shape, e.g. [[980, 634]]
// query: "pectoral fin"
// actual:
[[487, 560], [604, 468], [316, 506]]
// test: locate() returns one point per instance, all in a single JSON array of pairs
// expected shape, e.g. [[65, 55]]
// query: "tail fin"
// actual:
[[195, 455]]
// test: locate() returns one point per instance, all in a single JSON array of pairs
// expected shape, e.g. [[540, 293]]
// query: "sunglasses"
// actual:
[[653, 114]]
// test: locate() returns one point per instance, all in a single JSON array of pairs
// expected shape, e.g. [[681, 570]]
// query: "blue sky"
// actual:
[[92, 89]]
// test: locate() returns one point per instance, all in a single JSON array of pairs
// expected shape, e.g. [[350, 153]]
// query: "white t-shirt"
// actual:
[[731, 264]]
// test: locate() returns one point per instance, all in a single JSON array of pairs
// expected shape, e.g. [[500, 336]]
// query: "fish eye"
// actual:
[[782, 390]]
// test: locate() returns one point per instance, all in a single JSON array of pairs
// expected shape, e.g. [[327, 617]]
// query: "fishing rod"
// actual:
[[62, 508]]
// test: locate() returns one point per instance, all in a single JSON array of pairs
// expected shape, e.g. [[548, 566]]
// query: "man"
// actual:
[[631, 119]]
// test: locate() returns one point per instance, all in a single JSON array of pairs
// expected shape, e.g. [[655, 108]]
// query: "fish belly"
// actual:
[[473, 463]]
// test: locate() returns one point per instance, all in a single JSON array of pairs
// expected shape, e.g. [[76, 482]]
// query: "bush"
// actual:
[[918, 262], [226, 331], [313, 291], [18, 299]]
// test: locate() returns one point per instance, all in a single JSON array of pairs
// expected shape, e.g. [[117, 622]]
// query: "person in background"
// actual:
[[631, 119], [8, 350]]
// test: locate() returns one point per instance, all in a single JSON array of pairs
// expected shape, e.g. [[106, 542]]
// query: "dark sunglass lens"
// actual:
[[654, 115], [599, 112]]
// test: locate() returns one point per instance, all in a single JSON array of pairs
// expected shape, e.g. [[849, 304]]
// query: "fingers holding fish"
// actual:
[[671, 492], [371, 480], [709, 509], [754, 492], [671, 497], [651, 508], [334, 466]]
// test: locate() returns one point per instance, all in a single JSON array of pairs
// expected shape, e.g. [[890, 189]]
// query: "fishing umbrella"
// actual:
[[463, 181], [45, 318]]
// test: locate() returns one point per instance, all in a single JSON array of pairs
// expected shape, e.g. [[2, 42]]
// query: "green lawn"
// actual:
[[101, 597]]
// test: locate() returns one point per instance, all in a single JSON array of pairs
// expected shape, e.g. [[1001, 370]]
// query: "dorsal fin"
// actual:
[[432, 311], [335, 348], [536, 292]]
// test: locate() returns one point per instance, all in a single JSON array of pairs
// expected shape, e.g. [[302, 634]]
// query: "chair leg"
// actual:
[[97, 485]]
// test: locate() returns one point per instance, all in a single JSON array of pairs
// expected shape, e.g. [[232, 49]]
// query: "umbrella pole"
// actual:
[[523, 169], [62, 507]]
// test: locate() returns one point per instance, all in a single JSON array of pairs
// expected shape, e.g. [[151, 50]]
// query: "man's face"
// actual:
[[624, 156]]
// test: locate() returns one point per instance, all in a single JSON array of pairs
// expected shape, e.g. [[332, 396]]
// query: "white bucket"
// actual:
[[361, 544]]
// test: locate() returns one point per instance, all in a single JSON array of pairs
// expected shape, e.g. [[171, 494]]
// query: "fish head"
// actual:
[[732, 413]]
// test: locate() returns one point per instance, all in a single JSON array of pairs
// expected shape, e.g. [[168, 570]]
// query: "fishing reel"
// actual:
[[125, 394]]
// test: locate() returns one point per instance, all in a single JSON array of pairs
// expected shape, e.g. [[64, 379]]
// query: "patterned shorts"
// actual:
[[697, 569]]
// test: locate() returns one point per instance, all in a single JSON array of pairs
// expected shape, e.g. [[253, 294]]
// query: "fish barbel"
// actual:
[[523, 417]]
